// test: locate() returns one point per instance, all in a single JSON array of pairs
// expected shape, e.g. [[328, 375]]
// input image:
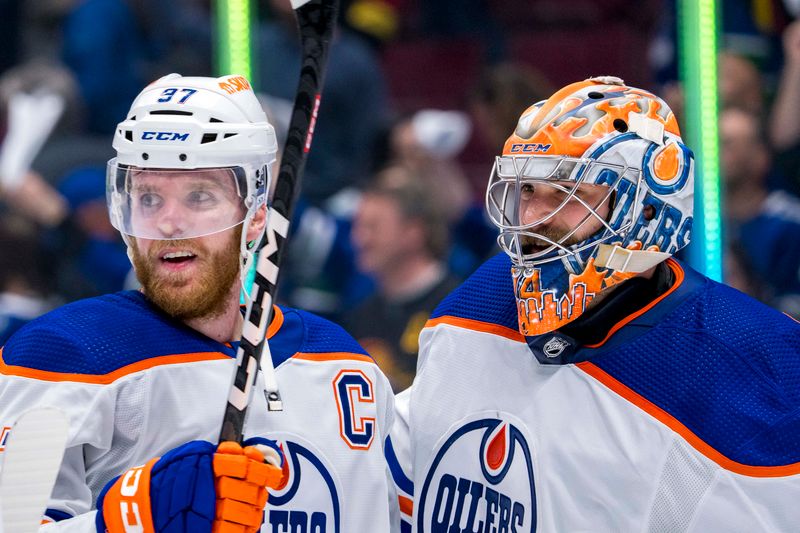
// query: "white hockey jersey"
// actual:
[[136, 384], [685, 418]]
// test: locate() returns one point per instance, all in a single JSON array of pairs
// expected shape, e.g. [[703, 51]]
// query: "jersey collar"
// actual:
[[578, 340]]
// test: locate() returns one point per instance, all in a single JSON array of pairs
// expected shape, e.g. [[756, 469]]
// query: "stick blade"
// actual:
[[31, 461], [299, 3]]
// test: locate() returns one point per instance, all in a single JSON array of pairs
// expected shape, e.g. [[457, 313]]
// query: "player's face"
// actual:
[[380, 234], [181, 204], [190, 278], [537, 202]]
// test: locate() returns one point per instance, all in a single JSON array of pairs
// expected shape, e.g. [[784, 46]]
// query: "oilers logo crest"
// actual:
[[480, 480], [299, 505]]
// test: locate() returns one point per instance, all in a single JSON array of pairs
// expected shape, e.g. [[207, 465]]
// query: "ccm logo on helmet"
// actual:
[[527, 148], [164, 136]]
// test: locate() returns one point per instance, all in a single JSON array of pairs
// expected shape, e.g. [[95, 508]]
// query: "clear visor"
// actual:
[[179, 203], [546, 206]]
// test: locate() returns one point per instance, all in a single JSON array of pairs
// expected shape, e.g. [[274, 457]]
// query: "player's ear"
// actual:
[[257, 223]]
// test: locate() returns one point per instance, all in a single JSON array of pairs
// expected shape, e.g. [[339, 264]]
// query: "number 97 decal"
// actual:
[[167, 95], [353, 390]]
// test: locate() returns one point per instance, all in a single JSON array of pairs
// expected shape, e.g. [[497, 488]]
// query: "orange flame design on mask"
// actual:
[[541, 311], [561, 135]]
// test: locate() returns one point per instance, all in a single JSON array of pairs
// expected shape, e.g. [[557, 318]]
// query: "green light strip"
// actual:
[[698, 61], [234, 48], [233, 55]]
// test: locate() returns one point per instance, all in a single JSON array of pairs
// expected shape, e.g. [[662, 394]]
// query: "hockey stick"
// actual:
[[316, 20], [31, 460]]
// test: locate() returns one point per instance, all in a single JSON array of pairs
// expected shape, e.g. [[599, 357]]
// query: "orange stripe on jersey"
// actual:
[[406, 505], [274, 325], [105, 379], [477, 325], [670, 421], [333, 356], [126, 506], [679, 275], [277, 321]]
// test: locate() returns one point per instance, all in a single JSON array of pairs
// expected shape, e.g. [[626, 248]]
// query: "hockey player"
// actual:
[[141, 373], [585, 380]]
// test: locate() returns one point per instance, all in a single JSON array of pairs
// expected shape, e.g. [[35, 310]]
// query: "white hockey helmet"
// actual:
[[193, 158]]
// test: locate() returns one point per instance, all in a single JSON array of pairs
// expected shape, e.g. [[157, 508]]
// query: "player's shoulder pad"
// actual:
[[98, 338], [485, 301], [724, 367], [304, 335]]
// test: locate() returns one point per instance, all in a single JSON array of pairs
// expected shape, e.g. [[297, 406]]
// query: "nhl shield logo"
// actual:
[[554, 347]]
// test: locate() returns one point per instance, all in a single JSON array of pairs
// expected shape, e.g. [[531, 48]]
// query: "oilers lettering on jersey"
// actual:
[[312, 506], [481, 479]]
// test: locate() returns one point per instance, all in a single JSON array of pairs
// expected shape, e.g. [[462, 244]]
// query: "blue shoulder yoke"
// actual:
[[723, 364]]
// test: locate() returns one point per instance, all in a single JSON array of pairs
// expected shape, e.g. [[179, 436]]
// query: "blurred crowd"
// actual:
[[419, 97]]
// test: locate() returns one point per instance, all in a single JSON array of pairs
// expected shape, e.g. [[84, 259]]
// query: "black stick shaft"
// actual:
[[316, 20]]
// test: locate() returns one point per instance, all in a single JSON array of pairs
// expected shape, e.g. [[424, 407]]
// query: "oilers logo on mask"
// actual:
[[481, 479], [295, 506]]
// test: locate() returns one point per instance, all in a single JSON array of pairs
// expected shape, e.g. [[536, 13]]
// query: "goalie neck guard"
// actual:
[[593, 187]]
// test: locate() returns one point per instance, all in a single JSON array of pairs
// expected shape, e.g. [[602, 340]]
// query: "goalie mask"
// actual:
[[594, 186], [193, 159]]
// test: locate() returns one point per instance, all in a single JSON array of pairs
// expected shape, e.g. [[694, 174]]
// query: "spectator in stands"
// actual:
[[35, 98], [91, 257], [740, 83], [401, 239], [69, 146], [497, 97], [740, 274], [764, 223], [23, 283], [354, 101], [464, 18], [427, 142], [322, 275], [377, 21], [784, 126], [748, 29], [104, 46]]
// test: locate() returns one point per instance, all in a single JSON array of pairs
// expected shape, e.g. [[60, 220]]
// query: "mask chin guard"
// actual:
[[615, 257]]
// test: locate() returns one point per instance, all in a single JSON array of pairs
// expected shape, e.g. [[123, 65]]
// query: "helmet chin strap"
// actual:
[[128, 250], [246, 256], [615, 257]]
